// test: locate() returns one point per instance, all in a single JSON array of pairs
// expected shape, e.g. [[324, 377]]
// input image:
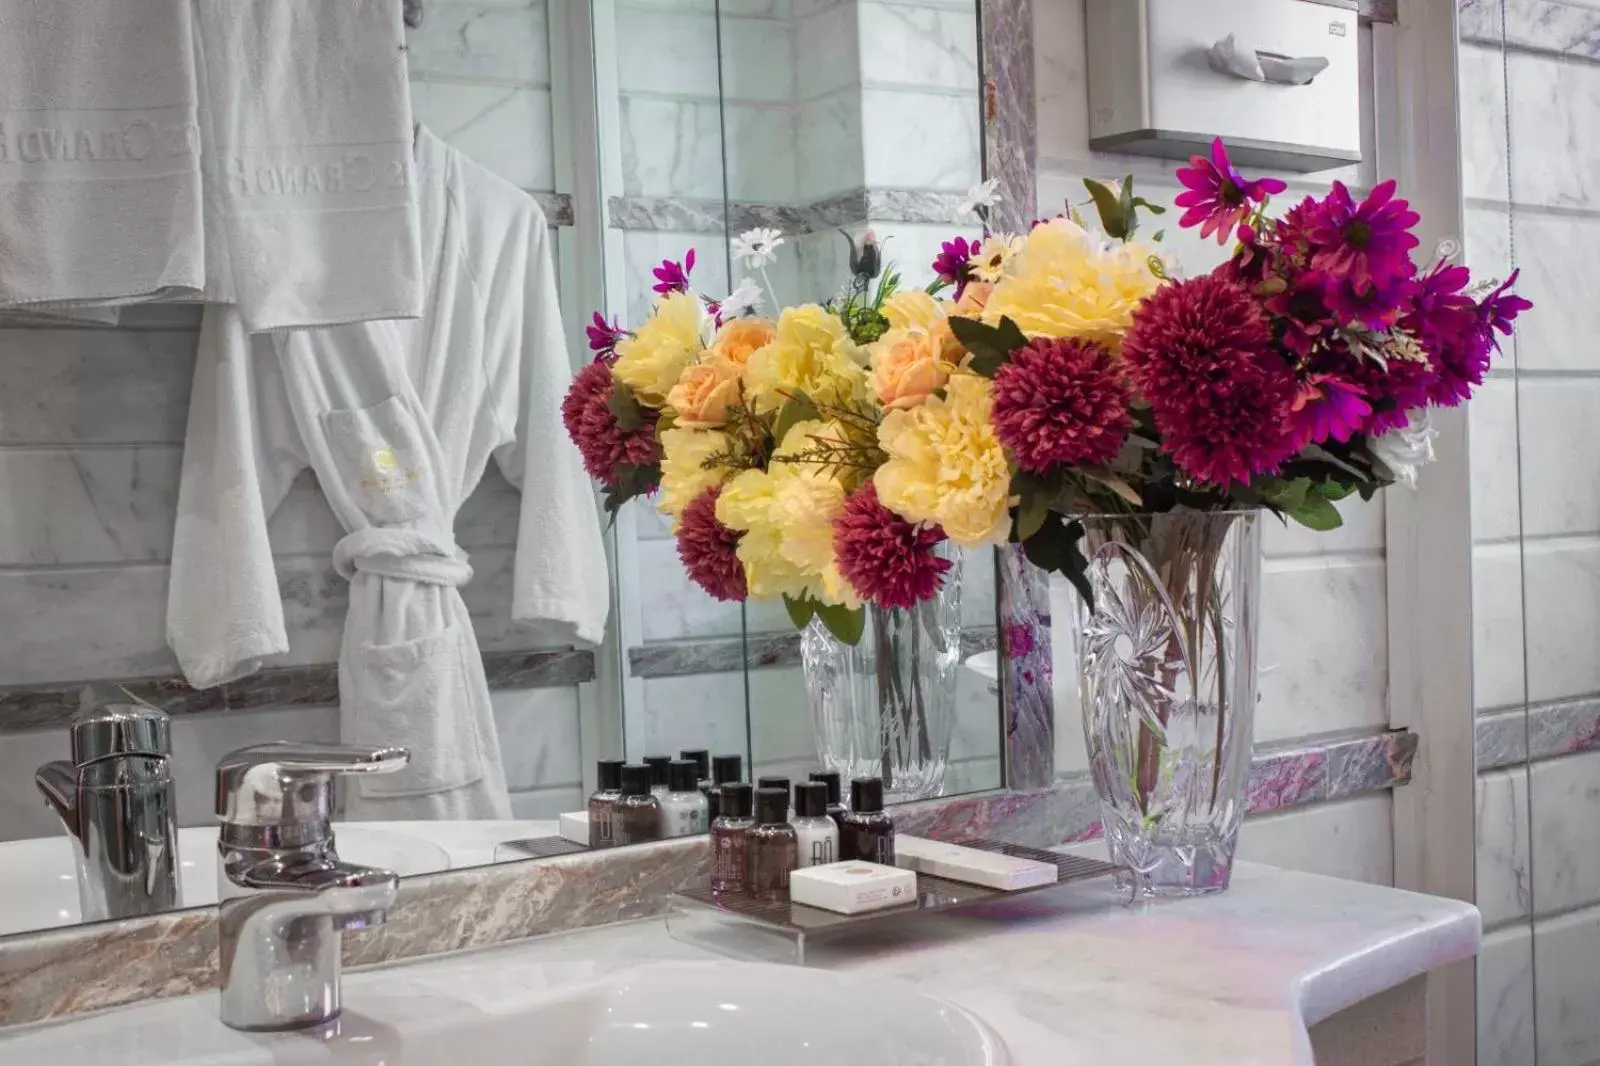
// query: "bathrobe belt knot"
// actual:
[[404, 554]]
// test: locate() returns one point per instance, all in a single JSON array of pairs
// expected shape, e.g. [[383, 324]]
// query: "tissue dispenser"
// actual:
[[1278, 80]]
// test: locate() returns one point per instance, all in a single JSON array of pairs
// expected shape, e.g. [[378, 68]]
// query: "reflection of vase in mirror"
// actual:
[[1167, 676], [887, 706]]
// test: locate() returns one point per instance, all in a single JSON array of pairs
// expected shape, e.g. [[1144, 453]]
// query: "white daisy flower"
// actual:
[[990, 260], [755, 248], [744, 300], [980, 197]]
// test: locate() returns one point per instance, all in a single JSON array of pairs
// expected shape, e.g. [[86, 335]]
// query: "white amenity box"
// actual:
[[1278, 80]]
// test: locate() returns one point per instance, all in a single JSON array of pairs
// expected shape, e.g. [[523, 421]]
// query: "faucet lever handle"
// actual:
[[288, 783]]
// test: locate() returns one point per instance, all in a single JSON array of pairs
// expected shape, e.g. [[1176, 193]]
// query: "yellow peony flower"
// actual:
[[702, 396], [947, 466], [812, 354], [651, 361], [787, 513], [1066, 282], [684, 475]]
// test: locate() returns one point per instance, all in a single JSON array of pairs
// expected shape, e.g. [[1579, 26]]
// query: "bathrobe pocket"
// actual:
[[417, 695], [379, 454]]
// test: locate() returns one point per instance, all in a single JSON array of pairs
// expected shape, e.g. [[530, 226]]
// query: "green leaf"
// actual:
[[625, 407], [843, 623], [1284, 495], [1055, 548], [1316, 512], [632, 481], [991, 346], [800, 610], [1335, 490], [1116, 485], [792, 413], [1112, 220], [664, 421]]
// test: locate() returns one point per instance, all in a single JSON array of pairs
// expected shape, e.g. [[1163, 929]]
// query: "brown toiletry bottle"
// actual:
[[772, 782], [867, 834], [659, 765], [836, 809], [771, 848], [729, 837], [637, 816], [603, 804], [725, 770]]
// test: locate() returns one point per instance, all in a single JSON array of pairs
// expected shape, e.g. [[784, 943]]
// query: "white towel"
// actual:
[[306, 119], [99, 155]]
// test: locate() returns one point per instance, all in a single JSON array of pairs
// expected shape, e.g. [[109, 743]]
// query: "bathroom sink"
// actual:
[[666, 1014], [38, 886]]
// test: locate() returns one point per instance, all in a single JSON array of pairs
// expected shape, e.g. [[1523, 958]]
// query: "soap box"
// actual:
[[852, 887], [575, 827], [972, 866]]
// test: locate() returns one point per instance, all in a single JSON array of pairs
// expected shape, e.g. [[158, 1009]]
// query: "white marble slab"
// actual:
[[1497, 648], [1505, 998], [1505, 891]]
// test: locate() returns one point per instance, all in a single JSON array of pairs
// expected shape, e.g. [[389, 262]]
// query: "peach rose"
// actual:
[[973, 299], [737, 340], [704, 393], [907, 366]]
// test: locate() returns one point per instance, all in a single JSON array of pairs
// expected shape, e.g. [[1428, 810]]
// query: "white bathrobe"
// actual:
[[398, 420]]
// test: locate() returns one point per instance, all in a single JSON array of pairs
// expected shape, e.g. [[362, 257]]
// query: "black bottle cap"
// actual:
[[830, 780], [702, 762], [772, 806], [811, 799], [736, 800], [635, 780], [682, 776], [774, 782], [611, 775], [866, 795], [658, 768], [726, 769]]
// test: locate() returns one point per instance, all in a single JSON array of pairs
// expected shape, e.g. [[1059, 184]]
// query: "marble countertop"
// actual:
[[1065, 976]]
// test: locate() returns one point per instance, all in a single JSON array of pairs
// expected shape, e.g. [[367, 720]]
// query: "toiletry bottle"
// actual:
[[637, 817], [658, 772], [725, 770], [867, 833], [702, 766], [836, 809], [683, 809], [773, 782], [818, 835], [728, 838], [604, 802], [771, 847]]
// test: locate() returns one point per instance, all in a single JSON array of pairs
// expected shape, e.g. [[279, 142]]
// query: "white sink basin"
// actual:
[[668, 1014], [38, 886]]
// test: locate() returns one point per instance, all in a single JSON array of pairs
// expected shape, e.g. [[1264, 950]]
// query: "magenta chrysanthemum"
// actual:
[[586, 412], [1330, 408], [1301, 310], [888, 561], [1370, 242], [1201, 354], [1449, 326], [709, 550], [953, 264], [1217, 196], [672, 276], [603, 336], [1392, 391], [1061, 403]]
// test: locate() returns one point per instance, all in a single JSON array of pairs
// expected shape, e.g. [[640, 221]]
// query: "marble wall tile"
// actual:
[[539, 733], [1565, 796], [643, 250], [778, 9], [1353, 839], [829, 145], [1496, 489], [1505, 998], [913, 247], [676, 53], [482, 40], [1505, 892], [1562, 598], [505, 128], [1557, 420], [900, 128], [1481, 75], [101, 505], [920, 46], [1557, 253], [88, 386], [780, 717], [1362, 533], [671, 148], [827, 48], [1555, 104], [1497, 637], [23, 812], [1566, 994], [697, 711]]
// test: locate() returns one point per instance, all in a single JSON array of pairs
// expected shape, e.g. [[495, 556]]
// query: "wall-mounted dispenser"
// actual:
[[1279, 80]]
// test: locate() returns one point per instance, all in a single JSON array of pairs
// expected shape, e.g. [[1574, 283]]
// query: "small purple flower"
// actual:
[[1217, 196], [674, 277], [603, 336], [1327, 407], [1446, 323], [953, 264], [1373, 307], [1302, 312], [1370, 242], [1501, 307]]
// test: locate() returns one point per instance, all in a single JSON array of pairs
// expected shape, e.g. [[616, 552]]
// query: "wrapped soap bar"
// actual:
[[972, 866], [852, 887]]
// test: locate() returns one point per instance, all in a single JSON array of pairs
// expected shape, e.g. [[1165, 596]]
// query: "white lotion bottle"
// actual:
[[818, 835], [684, 810]]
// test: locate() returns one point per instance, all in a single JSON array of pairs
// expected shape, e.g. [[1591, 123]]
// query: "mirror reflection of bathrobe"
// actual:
[[398, 420]]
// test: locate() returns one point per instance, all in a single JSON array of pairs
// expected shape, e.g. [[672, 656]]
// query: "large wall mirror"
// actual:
[[646, 130]]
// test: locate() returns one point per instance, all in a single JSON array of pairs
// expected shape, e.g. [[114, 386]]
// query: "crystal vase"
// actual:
[[887, 706], [1167, 677]]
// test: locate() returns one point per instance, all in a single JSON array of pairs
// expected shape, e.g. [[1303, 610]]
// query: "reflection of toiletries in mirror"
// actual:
[[728, 838], [604, 802], [771, 847], [702, 766], [637, 815], [658, 772], [867, 833], [835, 794], [683, 808], [725, 770], [816, 834], [774, 782]]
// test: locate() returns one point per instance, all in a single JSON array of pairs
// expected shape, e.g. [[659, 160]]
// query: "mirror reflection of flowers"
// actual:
[[825, 454]]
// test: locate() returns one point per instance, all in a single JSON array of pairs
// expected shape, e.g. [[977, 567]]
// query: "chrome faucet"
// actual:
[[286, 896], [117, 801]]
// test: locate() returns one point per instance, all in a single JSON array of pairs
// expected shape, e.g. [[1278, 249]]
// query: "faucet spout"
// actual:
[[59, 782]]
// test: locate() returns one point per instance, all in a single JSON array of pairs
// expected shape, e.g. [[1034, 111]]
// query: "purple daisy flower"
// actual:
[[1373, 307], [1217, 196], [1370, 242], [1500, 308], [1302, 311], [674, 277], [1329, 408], [603, 336], [953, 264]]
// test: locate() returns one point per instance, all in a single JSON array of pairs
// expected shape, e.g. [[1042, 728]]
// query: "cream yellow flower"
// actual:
[[702, 396], [684, 475], [947, 466], [812, 353], [908, 365], [989, 262], [1066, 282], [787, 513], [651, 361], [914, 309]]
